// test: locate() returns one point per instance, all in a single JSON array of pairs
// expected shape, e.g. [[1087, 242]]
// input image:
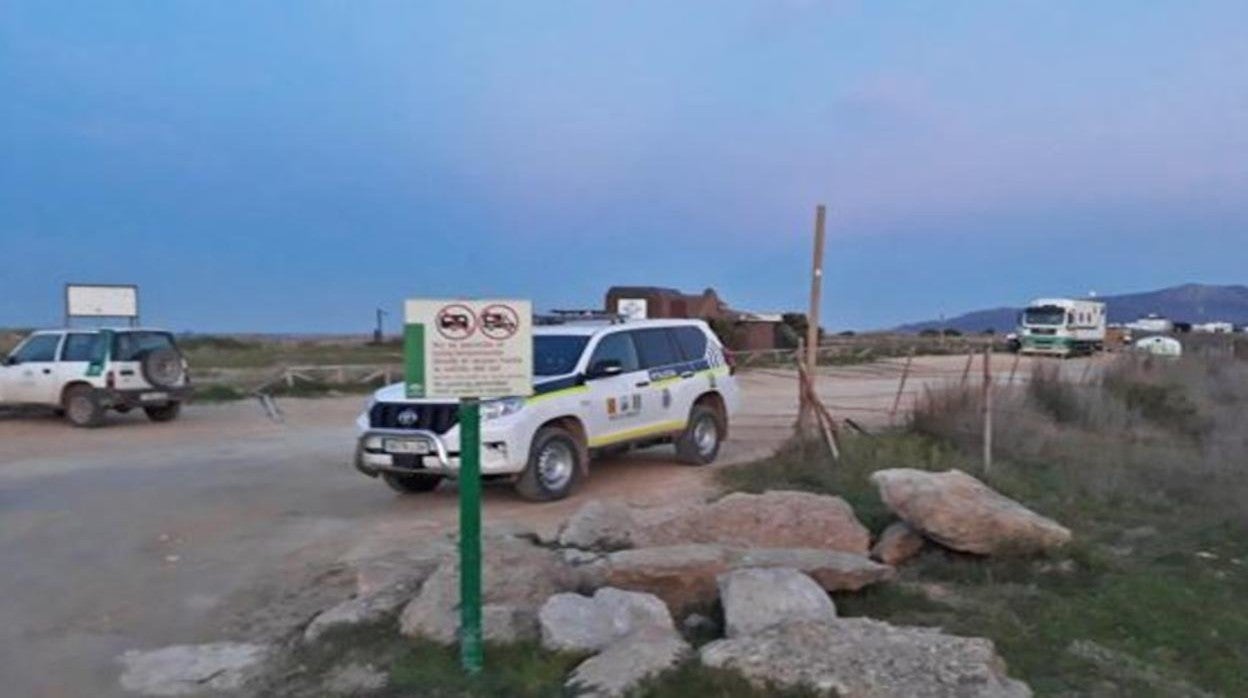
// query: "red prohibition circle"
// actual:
[[499, 321], [455, 322]]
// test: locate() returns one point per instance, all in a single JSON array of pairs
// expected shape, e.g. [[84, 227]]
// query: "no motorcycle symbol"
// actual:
[[457, 322]]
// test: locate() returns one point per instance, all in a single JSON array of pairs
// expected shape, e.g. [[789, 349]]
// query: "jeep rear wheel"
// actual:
[[81, 407], [699, 444], [411, 484], [164, 413], [554, 466]]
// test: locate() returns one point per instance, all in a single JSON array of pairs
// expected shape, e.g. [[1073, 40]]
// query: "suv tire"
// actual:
[[555, 465], [164, 413], [411, 484], [81, 407], [699, 444]]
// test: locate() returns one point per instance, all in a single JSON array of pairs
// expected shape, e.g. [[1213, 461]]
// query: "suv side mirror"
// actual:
[[11, 361], [605, 368]]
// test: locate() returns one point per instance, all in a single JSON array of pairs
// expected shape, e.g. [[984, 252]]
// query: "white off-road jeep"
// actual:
[[597, 388], [84, 373]]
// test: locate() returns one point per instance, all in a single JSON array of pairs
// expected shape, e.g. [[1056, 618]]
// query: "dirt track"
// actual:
[[225, 525]]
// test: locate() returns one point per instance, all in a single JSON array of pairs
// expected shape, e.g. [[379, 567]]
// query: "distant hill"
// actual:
[[1187, 303]]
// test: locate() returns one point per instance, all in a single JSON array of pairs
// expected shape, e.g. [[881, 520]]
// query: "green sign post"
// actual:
[[468, 350], [471, 652]]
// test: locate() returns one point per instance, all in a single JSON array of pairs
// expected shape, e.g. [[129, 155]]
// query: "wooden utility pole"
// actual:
[[812, 317]]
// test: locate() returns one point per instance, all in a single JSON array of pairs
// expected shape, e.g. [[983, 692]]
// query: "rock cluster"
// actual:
[[607, 583]]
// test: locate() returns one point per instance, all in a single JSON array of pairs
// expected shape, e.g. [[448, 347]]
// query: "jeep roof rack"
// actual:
[[566, 317]]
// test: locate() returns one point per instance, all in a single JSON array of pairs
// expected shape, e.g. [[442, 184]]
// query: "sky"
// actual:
[[289, 167]]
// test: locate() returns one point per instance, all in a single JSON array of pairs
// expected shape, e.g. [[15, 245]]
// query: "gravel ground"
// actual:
[[227, 526]]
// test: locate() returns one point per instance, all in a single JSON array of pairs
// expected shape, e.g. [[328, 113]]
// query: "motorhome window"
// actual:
[[1044, 315]]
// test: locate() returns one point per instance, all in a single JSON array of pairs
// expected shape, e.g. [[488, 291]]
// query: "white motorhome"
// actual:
[[1062, 327]]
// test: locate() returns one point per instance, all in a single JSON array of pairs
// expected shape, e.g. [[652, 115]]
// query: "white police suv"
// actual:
[[597, 388]]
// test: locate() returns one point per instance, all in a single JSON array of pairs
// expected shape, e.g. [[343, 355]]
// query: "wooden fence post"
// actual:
[[970, 359], [901, 386], [987, 409]]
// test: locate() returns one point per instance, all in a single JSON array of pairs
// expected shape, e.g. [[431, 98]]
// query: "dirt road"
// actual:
[[225, 525]]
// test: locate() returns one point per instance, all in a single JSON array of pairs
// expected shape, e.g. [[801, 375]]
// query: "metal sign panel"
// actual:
[[459, 349], [99, 300], [633, 308]]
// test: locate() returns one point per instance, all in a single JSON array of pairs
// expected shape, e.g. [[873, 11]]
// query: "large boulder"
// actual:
[[599, 525], [517, 577], [862, 658], [626, 663], [962, 513], [897, 543], [183, 670], [776, 519], [759, 598], [408, 566], [575, 623], [684, 576], [832, 569], [361, 610]]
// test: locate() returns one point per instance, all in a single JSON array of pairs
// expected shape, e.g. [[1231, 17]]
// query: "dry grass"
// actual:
[[1147, 464]]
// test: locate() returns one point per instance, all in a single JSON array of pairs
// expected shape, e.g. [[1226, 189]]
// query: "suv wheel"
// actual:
[[411, 484], [699, 445], [164, 413], [554, 466], [81, 407]]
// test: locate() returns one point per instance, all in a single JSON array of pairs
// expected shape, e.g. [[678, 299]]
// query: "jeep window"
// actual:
[[40, 347], [692, 343], [617, 347], [657, 348], [129, 346], [80, 347], [555, 355]]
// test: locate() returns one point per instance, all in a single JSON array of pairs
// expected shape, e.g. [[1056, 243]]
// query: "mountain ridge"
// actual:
[[1189, 302]]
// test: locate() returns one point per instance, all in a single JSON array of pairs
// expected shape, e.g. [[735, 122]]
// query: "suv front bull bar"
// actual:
[[380, 435]]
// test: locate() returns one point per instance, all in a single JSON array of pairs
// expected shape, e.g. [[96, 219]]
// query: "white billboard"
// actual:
[[86, 300]]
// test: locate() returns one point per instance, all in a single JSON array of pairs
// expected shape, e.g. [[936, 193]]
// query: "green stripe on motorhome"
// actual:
[[414, 360]]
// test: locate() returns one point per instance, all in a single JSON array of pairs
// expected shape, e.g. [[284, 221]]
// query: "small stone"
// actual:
[[898, 543]]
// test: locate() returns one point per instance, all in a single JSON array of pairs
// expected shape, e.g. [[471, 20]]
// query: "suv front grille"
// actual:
[[438, 418]]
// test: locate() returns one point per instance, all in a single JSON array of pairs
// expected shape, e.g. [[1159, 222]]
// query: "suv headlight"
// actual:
[[494, 409]]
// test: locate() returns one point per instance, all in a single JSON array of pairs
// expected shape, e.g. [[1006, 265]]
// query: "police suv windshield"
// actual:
[[555, 355]]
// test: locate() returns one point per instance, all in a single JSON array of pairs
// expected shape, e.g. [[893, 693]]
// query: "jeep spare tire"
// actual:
[[162, 367]]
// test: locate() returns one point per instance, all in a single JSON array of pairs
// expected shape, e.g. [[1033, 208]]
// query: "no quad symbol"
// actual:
[[499, 321], [456, 322]]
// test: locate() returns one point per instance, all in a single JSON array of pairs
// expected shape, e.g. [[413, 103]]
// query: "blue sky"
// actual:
[[289, 166]]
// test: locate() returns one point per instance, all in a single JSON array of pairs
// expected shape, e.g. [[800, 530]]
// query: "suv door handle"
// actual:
[[643, 384], [47, 371], [128, 372]]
